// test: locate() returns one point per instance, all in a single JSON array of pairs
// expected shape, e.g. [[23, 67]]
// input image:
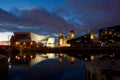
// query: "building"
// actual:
[[28, 39], [110, 35], [62, 40], [51, 42], [82, 41]]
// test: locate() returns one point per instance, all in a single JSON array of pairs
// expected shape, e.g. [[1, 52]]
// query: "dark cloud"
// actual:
[[79, 15], [91, 14], [35, 20]]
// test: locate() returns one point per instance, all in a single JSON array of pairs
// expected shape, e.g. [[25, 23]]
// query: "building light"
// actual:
[[114, 34], [105, 32], [16, 57], [31, 43], [31, 56], [110, 32], [92, 36], [17, 43], [24, 56], [24, 43], [92, 57]]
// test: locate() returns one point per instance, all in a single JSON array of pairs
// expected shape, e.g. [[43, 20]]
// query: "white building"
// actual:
[[50, 42], [29, 38]]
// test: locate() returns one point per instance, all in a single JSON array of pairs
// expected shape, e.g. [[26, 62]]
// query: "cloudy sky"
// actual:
[[48, 17]]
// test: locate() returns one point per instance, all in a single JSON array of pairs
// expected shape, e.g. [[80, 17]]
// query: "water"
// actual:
[[48, 66], [59, 66]]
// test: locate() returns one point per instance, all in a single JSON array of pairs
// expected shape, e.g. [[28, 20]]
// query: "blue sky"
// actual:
[[47, 17], [27, 4]]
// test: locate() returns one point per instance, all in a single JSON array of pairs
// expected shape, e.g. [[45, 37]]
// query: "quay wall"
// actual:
[[3, 67]]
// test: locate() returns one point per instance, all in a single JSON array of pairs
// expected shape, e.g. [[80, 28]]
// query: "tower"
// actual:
[[60, 39], [91, 34], [72, 34]]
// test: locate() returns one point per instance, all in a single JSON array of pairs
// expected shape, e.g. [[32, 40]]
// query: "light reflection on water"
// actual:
[[41, 57], [48, 66], [51, 66]]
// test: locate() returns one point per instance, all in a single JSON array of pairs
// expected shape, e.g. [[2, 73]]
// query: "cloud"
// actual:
[[79, 15], [35, 20], [91, 14]]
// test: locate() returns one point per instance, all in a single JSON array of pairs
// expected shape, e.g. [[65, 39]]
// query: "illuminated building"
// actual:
[[82, 41], [110, 34], [62, 40], [51, 42], [26, 39]]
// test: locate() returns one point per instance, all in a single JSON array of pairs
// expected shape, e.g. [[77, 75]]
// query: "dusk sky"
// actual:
[[48, 17]]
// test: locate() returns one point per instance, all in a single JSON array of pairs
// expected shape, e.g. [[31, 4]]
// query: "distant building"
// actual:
[[82, 41], [110, 34], [27, 39], [62, 40], [51, 42]]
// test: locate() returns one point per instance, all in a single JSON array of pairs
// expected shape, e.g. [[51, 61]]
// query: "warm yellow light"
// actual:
[[24, 43], [16, 57], [24, 56], [31, 56], [92, 57], [17, 43], [31, 43], [91, 36], [72, 59]]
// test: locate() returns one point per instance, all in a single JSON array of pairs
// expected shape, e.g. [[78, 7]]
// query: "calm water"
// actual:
[[59, 66], [48, 66]]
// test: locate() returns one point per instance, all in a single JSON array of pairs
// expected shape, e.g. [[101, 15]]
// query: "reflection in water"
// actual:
[[103, 67], [51, 55], [61, 66], [37, 59], [71, 59], [47, 67], [30, 59]]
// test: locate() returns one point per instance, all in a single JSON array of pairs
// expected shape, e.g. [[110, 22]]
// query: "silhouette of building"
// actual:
[[82, 41], [62, 40], [110, 34]]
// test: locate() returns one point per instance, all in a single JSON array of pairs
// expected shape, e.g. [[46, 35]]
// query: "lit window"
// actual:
[[105, 32], [110, 32], [31, 43], [114, 34], [24, 43]]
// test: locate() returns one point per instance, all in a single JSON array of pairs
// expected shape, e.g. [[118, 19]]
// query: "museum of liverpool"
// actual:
[[30, 39]]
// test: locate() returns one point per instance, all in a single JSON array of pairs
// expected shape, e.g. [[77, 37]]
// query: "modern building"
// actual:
[[110, 35], [29, 39], [62, 40]]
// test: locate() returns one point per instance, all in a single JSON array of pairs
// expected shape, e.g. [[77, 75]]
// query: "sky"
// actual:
[[48, 17]]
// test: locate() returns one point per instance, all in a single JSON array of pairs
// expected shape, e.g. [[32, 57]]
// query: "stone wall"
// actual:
[[3, 67]]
